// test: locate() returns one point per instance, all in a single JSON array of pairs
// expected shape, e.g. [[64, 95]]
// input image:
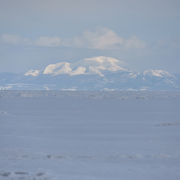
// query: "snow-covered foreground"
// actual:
[[89, 136]]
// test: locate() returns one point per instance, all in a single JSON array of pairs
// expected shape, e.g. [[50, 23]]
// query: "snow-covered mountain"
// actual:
[[96, 73]]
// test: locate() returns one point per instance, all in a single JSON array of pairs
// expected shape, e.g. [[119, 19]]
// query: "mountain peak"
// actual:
[[32, 73], [94, 65], [157, 73]]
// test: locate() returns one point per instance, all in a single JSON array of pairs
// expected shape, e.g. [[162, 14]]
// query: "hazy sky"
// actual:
[[142, 33]]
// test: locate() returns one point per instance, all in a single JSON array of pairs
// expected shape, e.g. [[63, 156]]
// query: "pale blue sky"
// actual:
[[142, 33]]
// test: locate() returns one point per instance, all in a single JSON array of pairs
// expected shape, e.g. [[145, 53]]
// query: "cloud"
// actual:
[[43, 41], [32, 73], [134, 42], [48, 41], [15, 39], [105, 38], [100, 39], [11, 39]]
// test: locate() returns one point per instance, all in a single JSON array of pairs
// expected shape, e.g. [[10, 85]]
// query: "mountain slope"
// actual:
[[97, 73]]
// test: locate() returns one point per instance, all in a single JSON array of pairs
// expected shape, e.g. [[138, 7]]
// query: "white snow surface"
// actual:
[[32, 73], [53, 135], [94, 65], [157, 73]]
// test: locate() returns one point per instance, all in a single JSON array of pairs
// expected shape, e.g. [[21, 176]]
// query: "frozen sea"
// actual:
[[56, 135]]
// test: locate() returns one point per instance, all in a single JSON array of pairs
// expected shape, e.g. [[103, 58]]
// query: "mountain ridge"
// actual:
[[96, 73], [110, 81]]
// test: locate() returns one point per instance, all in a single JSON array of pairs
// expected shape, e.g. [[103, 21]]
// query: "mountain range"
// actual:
[[96, 73]]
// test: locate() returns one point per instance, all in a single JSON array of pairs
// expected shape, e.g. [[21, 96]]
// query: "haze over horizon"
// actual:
[[143, 34]]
